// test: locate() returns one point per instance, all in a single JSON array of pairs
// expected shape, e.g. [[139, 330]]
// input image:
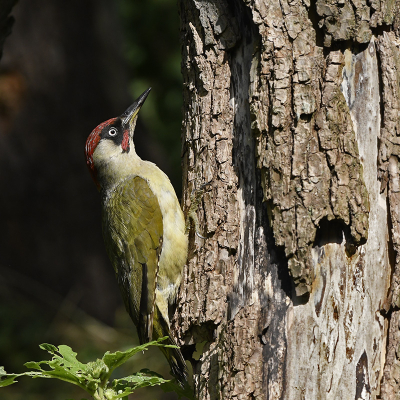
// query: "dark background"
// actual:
[[66, 67]]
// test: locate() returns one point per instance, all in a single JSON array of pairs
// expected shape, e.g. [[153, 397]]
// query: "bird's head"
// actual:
[[111, 142]]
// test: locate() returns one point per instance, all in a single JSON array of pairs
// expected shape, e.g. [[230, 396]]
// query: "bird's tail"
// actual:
[[173, 355], [176, 362]]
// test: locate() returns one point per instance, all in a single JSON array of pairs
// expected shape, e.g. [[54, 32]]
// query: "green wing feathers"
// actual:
[[133, 234], [133, 231]]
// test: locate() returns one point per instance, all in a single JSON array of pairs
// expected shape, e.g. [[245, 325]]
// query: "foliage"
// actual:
[[94, 376]]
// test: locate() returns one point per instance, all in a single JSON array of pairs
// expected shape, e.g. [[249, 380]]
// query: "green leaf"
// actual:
[[93, 377], [9, 380], [69, 358], [48, 347], [121, 388], [64, 366], [114, 360], [33, 365], [140, 379], [64, 375]]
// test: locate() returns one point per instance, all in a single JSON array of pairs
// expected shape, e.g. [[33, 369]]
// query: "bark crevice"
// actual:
[[289, 131]]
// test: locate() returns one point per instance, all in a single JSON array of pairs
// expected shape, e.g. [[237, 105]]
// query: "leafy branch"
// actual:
[[94, 377]]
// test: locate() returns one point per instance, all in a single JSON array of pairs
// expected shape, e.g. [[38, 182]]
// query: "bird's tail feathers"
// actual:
[[176, 361], [173, 355]]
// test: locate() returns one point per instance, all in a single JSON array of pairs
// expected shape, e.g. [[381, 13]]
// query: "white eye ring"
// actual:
[[112, 131]]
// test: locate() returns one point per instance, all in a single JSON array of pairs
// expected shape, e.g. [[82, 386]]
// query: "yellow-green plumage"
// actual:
[[143, 229], [133, 231]]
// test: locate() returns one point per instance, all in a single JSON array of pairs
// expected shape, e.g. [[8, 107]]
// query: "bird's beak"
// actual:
[[129, 116]]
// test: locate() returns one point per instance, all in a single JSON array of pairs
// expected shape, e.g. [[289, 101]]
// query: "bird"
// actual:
[[144, 229]]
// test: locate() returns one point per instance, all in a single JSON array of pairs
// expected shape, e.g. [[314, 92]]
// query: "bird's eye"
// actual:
[[112, 131]]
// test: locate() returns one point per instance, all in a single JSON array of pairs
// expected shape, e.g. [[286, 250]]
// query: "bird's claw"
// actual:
[[200, 236]]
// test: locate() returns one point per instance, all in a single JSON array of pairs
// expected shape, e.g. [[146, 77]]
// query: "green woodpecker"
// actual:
[[143, 229]]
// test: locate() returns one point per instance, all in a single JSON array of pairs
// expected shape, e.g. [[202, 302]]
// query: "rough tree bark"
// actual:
[[291, 112]]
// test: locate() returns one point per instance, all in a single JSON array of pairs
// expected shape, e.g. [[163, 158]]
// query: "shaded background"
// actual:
[[67, 66]]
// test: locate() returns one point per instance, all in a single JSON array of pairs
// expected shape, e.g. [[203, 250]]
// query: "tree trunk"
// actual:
[[291, 112]]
